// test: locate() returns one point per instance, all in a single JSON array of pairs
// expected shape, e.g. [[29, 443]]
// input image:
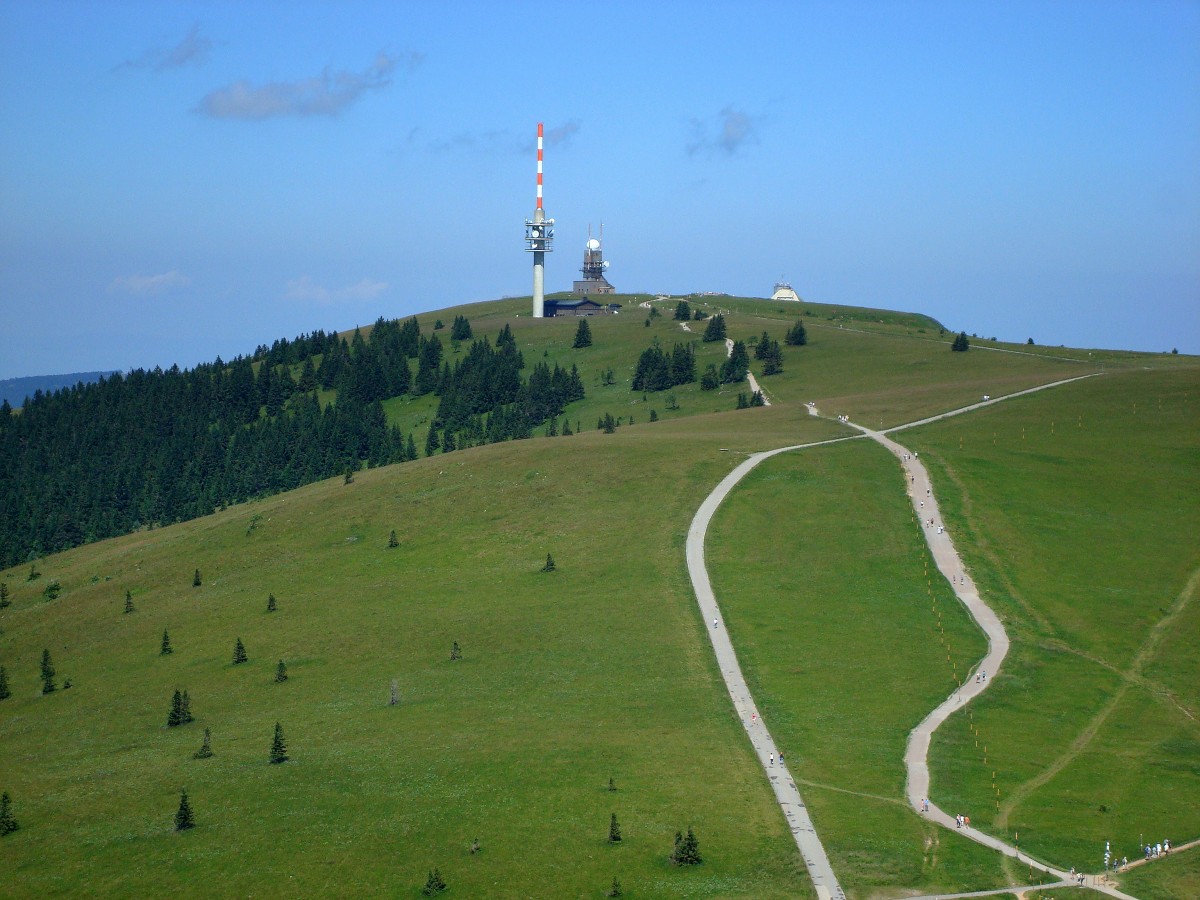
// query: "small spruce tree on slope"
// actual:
[[205, 750], [583, 335], [183, 816], [7, 823], [48, 686], [278, 746]]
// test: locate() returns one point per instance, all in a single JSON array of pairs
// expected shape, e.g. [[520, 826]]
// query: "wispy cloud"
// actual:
[[726, 132], [193, 49], [477, 140], [141, 285], [505, 141], [307, 290], [561, 134], [326, 94]]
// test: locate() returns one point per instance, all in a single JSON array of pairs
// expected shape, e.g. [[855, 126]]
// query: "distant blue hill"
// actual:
[[15, 390]]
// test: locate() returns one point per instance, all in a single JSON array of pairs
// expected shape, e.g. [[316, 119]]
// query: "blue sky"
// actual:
[[182, 180]]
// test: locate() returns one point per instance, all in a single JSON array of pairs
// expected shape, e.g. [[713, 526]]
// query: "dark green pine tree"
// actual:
[[796, 336], [4, 601], [278, 747], [196, 580], [687, 849], [308, 377], [715, 329], [271, 606], [583, 335], [455, 651], [183, 816], [280, 673], [615, 890], [205, 750], [175, 716], [393, 542], [47, 673], [185, 709], [434, 884], [683, 311], [348, 476], [763, 348], [734, 368], [614, 830], [410, 448], [7, 823], [566, 428], [239, 653], [165, 647], [773, 360], [549, 566], [128, 601], [5, 693], [431, 442], [961, 344]]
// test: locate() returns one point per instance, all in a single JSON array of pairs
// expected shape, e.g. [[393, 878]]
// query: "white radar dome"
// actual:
[[593, 244]]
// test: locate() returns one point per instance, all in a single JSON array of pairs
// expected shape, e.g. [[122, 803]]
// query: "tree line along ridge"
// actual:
[[152, 447]]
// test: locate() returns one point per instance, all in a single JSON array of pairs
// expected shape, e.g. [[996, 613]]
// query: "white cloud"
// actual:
[[326, 94], [726, 132], [193, 48], [307, 290], [141, 285]]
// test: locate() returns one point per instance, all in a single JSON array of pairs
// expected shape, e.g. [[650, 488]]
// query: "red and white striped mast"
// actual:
[[539, 238]]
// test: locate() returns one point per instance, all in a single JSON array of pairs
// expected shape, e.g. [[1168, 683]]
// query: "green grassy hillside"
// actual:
[[596, 670], [602, 669], [1079, 516]]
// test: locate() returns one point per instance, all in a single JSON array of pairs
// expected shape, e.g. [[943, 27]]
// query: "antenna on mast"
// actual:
[[539, 238]]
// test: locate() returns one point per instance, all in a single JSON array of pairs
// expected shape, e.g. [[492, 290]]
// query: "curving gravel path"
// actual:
[[786, 792], [916, 755]]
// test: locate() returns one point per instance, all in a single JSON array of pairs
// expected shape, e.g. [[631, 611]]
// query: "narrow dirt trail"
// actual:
[[749, 375]]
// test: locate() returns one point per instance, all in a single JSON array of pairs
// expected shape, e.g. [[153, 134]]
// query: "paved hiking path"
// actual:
[[916, 756]]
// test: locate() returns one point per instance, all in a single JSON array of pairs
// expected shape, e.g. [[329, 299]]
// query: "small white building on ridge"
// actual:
[[783, 291]]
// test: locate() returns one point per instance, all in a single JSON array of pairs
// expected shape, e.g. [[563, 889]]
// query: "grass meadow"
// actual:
[[891, 375], [821, 573], [1075, 510], [598, 670]]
